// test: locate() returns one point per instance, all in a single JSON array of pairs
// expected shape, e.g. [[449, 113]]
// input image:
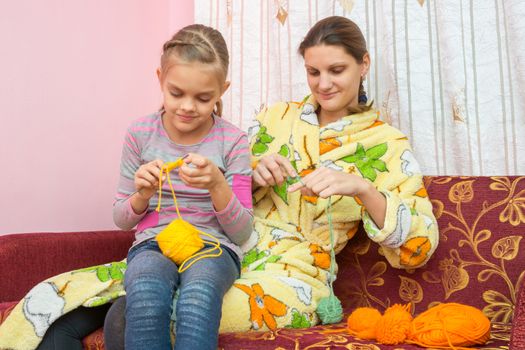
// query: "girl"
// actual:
[[213, 193]]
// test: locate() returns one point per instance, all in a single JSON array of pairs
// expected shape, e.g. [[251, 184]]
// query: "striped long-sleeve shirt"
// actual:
[[225, 145]]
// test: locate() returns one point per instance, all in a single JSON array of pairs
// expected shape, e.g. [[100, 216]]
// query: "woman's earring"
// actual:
[[362, 99]]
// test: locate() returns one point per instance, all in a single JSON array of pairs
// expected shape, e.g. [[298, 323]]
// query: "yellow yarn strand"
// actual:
[[180, 241], [167, 168]]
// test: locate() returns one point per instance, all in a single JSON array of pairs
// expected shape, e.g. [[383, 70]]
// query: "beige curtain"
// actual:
[[448, 73]]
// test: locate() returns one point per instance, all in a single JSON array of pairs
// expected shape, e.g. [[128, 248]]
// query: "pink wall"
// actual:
[[74, 74]]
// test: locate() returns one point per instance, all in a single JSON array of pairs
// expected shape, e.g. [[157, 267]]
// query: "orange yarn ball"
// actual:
[[447, 326], [362, 322], [450, 324], [394, 327]]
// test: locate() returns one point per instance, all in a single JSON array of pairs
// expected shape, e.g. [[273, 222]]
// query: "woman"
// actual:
[[340, 149]]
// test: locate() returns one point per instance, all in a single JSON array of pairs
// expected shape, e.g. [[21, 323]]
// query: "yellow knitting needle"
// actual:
[[169, 166]]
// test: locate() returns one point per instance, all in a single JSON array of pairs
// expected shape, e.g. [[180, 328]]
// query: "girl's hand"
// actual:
[[325, 182], [147, 179], [272, 170], [204, 174]]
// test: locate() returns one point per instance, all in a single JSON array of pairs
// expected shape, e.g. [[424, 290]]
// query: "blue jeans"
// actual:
[[151, 280]]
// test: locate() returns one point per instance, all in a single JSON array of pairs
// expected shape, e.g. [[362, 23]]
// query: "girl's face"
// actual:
[[190, 92], [334, 77]]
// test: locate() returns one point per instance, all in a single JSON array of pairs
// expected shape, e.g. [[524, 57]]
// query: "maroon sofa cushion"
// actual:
[[62, 252]]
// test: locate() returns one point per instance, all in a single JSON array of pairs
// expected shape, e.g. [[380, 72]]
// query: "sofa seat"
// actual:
[[321, 336], [480, 262]]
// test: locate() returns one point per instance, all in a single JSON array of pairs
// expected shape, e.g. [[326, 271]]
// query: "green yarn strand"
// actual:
[[329, 308]]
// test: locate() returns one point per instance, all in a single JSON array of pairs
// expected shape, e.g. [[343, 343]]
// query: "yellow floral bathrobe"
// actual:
[[285, 271]]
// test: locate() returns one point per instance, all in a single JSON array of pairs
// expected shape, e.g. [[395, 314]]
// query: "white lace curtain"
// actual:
[[448, 73]]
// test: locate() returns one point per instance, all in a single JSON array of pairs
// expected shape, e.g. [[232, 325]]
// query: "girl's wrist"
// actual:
[[221, 194], [143, 197], [219, 185], [139, 203]]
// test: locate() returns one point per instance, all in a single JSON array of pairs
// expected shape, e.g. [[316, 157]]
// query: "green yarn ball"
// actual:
[[330, 310]]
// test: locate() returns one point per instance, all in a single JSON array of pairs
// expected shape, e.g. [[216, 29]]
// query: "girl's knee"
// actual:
[[202, 293], [148, 289], [147, 271]]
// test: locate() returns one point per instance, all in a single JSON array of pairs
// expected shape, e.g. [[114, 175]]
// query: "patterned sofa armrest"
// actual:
[[28, 258], [517, 338]]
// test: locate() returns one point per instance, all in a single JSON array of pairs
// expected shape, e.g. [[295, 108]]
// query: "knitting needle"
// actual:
[[298, 184]]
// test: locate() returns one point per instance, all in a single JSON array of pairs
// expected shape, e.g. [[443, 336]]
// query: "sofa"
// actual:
[[480, 262]]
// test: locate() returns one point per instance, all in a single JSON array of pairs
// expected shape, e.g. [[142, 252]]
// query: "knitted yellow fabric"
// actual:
[[180, 241]]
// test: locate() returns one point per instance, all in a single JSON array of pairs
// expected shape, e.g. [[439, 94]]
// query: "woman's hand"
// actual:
[[204, 174], [147, 179], [272, 170], [325, 182]]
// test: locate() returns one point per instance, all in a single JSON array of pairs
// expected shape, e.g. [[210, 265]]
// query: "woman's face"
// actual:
[[334, 77]]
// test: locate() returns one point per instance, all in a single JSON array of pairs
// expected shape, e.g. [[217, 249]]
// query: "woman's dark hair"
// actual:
[[342, 32]]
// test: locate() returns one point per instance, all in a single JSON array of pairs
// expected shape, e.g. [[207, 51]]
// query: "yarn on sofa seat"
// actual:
[[445, 326], [450, 324], [362, 322], [394, 326]]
